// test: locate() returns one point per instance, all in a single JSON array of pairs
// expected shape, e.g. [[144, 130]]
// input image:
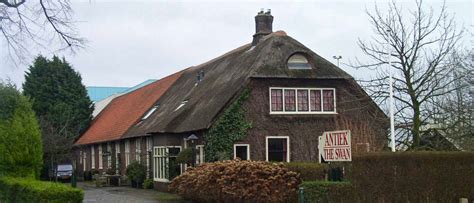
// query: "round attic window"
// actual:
[[298, 61]]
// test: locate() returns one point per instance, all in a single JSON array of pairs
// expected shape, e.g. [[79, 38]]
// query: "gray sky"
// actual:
[[131, 41]]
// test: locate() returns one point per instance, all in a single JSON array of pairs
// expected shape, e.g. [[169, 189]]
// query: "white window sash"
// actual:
[[92, 157], [117, 152], [296, 101], [100, 157], [127, 153], [109, 157], [200, 154], [160, 162], [278, 137]]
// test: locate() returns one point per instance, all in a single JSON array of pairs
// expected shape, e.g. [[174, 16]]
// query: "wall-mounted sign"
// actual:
[[335, 146]]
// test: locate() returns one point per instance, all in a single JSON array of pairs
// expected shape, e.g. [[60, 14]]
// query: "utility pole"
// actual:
[[337, 58]]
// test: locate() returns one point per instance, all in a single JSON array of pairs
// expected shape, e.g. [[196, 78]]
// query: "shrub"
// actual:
[[21, 152], [148, 184], [185, 156], [413, 176], [309, 171], [30, 190], [136, 172], [237, 181], [324, 191]]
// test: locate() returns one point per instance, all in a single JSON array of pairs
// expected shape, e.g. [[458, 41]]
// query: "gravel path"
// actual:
[[118, 194]]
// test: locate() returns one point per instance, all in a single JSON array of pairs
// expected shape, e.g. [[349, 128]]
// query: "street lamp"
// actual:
[[337, 58], [193, 138]]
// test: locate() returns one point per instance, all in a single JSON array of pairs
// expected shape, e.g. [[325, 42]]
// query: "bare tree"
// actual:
[[44, 24], [419, 42]]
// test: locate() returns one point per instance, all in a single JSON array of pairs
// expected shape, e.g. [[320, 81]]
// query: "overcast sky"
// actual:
[[132, 41]]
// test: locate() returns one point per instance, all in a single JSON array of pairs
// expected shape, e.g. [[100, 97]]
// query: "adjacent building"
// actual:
[[287, 94]]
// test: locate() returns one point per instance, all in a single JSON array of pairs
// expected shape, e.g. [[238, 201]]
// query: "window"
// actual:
[[199, 154], [277, 99], [148, 114], [109, 155], [93, 157], [165, 167], [138, 149], [302, 100], [117, 157], [298, 61], [84, 160], [242, 151], [278, 148], [127, 152], [100, 156], [182, 104], [149, 145]]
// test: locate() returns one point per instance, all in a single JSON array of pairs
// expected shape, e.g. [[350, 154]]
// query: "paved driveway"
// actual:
[[123, 194]]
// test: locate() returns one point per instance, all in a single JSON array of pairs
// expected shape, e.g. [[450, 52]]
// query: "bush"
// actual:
[[237, 181], [136, 172], [185, 156], [309, 171], [30, 190], [21, 152], [324, 191], [413, 176], [148, 184]]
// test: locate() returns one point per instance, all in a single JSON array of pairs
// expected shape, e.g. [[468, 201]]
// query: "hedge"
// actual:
[[309, 171], [31, 190], [413, 176], [237, 181], [324, 191]]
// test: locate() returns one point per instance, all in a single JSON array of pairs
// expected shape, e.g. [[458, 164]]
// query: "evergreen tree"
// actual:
[[61, 103], [20, 136]]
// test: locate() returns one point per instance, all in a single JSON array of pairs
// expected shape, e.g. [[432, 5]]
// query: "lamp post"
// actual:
[[337, 58], [193, 138], [392, 106]]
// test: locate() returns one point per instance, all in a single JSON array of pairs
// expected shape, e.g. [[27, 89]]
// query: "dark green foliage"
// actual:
[[230, 127], [20, 136], [58, 93], [148, 184], [136, 172], [32, 191], [413, 176], [185, 156], [324, 191], [309, 171]]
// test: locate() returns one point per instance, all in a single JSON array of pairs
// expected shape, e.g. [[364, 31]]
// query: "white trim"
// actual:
[[242, 145], [296, 100], [278, 137], [200, 154]]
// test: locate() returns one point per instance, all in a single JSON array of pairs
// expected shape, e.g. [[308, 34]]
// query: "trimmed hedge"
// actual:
[[309, 171], [29, 190], [237, 181], [413, 176], [324, 191]]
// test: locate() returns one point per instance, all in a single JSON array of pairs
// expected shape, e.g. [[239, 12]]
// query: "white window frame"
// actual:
[[296, 100], [200, 154], [161, 161], [100, 157], [92, 156], [278, 137], [85, 160], [242, 145], [127, 152]]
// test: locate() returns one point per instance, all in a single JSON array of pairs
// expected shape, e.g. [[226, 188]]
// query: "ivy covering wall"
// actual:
[[230, 127]]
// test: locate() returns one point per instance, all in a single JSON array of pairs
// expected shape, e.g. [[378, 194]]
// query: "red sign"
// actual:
[[336, 146]]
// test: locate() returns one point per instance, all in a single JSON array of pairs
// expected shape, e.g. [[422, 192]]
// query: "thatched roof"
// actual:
[[223, 78]]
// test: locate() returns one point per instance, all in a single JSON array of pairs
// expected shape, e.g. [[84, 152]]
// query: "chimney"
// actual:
[[263, 25]]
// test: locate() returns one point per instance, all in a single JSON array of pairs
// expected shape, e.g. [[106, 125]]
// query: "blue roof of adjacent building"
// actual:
[[97, 93]]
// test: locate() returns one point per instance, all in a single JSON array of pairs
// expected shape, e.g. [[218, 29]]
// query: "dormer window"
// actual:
[[148, 114], [298, 62]]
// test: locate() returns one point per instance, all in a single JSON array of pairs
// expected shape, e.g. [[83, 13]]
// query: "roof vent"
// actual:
[[199, 77], [181, 105], [263, 25]]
